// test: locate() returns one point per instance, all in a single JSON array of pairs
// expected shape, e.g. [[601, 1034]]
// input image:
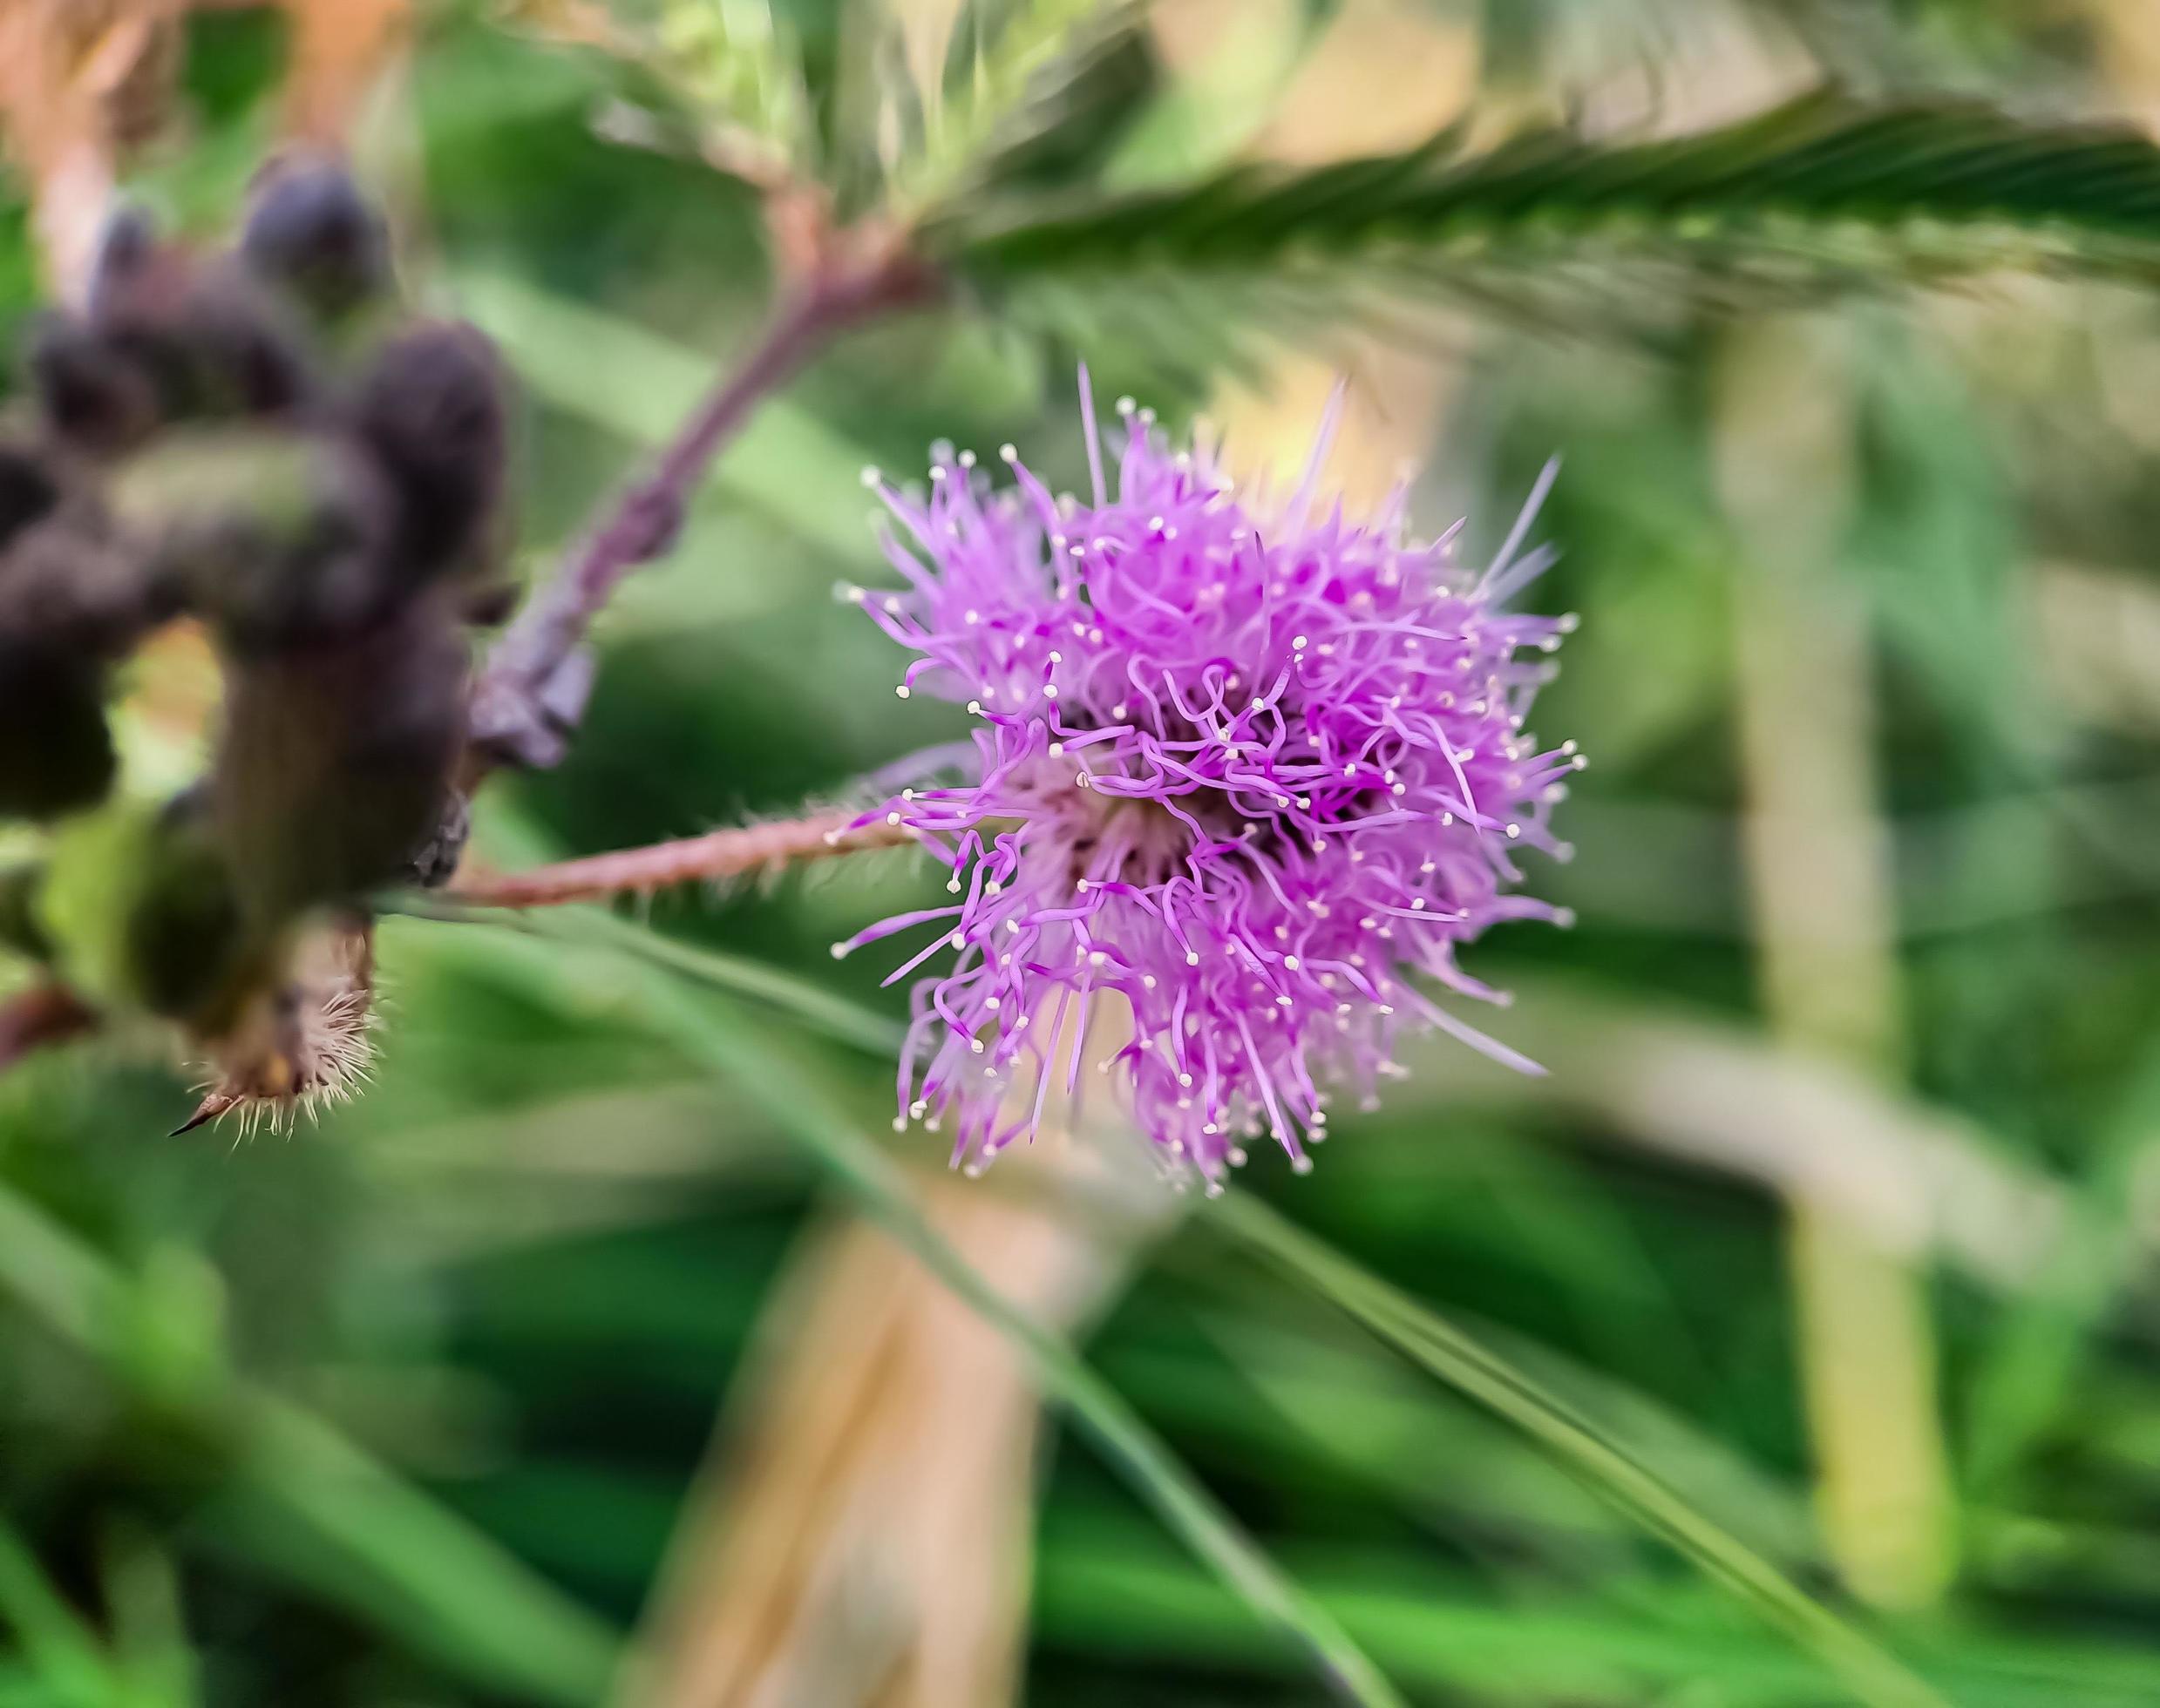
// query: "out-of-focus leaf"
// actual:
[[318, 1510], [2024, 1384], [1871, 1672], [1106, 1590], [1821, 196], [1025, 81], [1919, 1178], [322, 1510], [639, 385], [1076, 115], [49, 1633], [728, 72]]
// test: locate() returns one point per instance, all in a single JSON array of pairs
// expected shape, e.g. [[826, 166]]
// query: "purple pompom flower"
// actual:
[[1257, 774]]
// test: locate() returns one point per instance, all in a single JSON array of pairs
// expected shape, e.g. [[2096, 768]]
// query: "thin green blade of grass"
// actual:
[[310, 1505], [2026, 1382], [716, 1032], [834, 1016], [1874, 1675], [307, 1500], [1105, 1588]]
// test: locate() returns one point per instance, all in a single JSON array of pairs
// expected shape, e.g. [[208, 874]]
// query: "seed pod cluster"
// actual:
[[255, 439]]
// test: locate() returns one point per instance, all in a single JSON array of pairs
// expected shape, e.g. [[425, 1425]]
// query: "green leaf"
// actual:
[[50, 1634], [1820, 196], [322, 1510], [1874, 1675], [319, 1510], [1025, 82], [1104, 1589], [740, 67]]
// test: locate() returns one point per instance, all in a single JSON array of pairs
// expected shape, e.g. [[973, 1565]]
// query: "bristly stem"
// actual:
[[706, 860], [528, 702]]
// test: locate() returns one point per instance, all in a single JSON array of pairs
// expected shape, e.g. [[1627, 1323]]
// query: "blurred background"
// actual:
[[554, 1371]]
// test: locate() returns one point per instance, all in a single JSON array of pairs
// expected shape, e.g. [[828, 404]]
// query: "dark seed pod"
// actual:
[[126, 252], [490, 604], [282, 539], [334, 765], [93, 397], [311, 233], [56, 753], [213, 344], [71, 588], [431, 406], [28, 492]]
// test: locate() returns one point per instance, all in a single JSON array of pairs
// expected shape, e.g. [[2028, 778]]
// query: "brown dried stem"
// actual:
[[707, 859], [528, 702]]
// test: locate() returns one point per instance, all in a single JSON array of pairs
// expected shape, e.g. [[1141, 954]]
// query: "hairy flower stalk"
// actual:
[[1259, 776]]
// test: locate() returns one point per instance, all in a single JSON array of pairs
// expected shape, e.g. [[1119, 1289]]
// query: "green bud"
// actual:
[[142, 911], [20, 930]]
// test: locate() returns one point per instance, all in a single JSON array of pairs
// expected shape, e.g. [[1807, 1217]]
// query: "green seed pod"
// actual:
[[20, 929], [185, 940], [143, 914]]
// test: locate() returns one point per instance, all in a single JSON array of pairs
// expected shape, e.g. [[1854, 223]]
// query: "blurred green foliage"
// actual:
[[404, 1410]]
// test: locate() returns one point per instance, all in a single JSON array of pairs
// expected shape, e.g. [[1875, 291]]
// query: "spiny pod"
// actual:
[[246, 439], [303, 1042]]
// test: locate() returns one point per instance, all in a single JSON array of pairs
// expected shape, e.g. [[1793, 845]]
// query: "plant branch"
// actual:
[[528, 700], [44, 1014], [706, 860]]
